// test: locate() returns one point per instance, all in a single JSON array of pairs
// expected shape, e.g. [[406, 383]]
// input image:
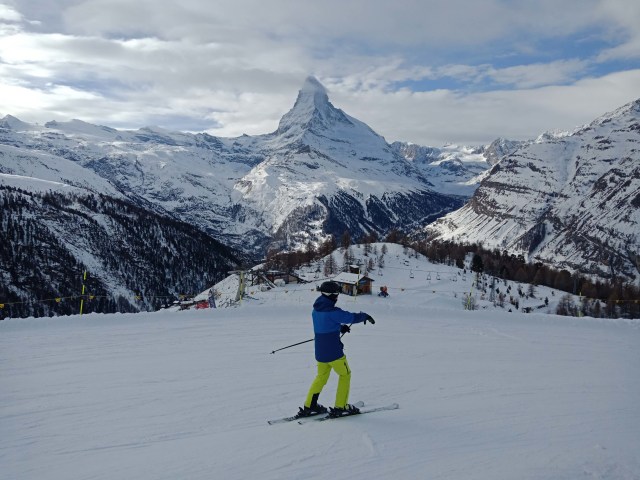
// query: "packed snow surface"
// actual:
[[485, 394]]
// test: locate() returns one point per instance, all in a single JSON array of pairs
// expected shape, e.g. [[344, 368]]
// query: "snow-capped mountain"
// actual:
[[188, 176], [325, 172], [567, 199], [456, 169], [321, 172]]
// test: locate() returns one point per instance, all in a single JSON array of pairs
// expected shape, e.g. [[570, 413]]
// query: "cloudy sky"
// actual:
[[426, 71]]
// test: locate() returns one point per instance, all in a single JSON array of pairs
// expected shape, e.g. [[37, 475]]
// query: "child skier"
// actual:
[[328, 322]]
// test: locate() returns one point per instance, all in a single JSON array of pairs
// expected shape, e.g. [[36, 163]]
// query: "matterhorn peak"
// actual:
[[312, 97], [312, 110], [313, 88]]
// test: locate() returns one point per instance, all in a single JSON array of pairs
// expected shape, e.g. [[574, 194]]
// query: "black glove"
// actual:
[[370, 319], [344, 329]]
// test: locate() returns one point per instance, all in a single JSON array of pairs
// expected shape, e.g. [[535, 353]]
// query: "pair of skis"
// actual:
[[325, 416]]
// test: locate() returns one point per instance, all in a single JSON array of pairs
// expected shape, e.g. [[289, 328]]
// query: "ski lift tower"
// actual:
[[242, 283], [251, 276]]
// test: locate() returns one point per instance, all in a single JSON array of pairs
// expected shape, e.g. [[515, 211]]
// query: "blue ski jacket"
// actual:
[[327, 320]]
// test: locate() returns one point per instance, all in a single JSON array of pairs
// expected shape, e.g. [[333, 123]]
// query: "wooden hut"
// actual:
[[354, 284]]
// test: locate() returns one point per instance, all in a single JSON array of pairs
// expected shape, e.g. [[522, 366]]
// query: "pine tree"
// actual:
[[345, 241], [477, 265], [330, 266]]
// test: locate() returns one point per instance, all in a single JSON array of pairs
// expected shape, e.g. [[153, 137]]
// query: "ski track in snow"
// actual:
[[167, 395]]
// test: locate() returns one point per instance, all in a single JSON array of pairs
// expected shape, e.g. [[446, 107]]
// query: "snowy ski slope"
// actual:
[[486, 394]]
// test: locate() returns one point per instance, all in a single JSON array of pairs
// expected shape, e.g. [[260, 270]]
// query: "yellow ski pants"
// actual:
[[341, 367]]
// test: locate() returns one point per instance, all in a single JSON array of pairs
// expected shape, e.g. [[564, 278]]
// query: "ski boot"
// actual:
[[343, 412], [316, 409]]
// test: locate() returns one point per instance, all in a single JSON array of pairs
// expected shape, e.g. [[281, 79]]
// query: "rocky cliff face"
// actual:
[[570, 200]]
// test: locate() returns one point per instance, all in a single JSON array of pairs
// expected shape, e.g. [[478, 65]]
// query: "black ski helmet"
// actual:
[[330, 288]]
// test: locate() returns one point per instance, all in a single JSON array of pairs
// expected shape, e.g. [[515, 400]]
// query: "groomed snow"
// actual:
[[486, 394]]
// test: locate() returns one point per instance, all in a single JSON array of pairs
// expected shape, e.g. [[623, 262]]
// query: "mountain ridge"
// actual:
[[277, 190], [571, 199]]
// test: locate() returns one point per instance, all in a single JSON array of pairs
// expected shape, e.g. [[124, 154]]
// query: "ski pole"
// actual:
[[306, 341], [289, 346]]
